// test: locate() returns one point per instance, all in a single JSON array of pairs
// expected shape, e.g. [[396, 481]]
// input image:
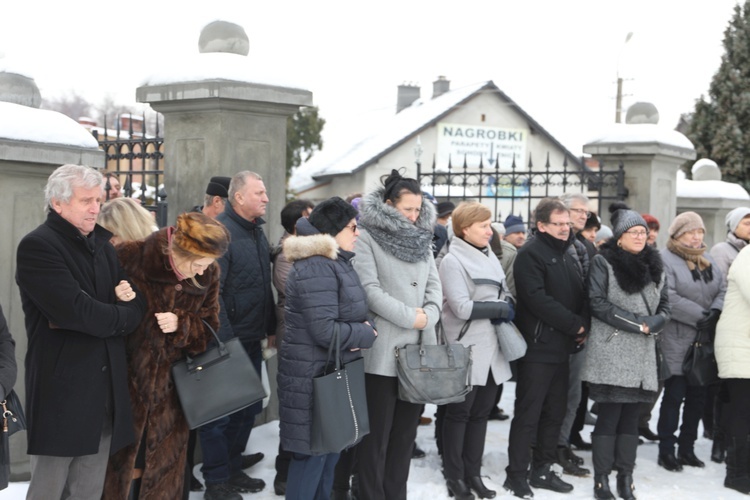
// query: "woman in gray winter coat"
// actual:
[[696, 295], [397, 268], [323, 292], [629, 306], [475, 296]]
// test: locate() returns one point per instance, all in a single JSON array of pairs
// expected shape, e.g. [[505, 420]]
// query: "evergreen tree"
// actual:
[[720, 126], [303, 137]]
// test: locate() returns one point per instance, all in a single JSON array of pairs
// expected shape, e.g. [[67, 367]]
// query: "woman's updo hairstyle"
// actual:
[[395, 185]]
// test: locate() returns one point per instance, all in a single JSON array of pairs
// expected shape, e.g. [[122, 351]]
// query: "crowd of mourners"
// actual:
[[608, 319]]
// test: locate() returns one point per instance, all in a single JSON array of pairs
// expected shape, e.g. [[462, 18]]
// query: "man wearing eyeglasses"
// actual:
[[552, 313], [581, 251]]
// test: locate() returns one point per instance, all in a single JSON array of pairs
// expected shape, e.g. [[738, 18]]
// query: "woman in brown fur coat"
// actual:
[[175, 270]]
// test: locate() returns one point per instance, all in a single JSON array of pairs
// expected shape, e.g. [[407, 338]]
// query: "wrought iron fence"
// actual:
[[517, 191], [136, 159]]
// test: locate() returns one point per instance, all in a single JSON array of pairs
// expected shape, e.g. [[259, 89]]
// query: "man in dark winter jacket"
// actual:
[[552, 315], [78, 308], [247, 312]]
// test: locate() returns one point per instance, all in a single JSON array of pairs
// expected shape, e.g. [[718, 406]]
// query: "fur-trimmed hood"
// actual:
[[396, 234], [633, 271], [302, 247]]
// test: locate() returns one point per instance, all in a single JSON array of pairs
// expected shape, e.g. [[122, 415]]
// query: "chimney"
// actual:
[[407, 94], [440, 86]]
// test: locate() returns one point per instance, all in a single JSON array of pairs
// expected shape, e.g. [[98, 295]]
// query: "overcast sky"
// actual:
[[558, 60]]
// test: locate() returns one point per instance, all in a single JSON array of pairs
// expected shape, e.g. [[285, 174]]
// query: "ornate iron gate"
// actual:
[[137, 159], [517, 191]]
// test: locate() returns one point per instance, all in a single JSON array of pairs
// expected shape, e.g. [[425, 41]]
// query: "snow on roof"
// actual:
[[621, 133], [22, 123], [16, 66], [213, 66], [710, 189], [393, 131]]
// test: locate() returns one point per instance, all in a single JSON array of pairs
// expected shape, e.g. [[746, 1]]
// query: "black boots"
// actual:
[[543, 477], [718, 449], [518, 485], [458, 488], [687, 457], [476, 484], [570, 462], [669, 461], [626, 448], [603, 458], [737, 477]]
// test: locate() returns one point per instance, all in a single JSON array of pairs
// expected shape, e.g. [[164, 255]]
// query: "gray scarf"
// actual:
[[394, 232]]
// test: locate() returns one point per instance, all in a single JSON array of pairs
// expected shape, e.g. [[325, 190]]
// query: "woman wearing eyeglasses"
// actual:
[[323, 294], [629, 306], [397, 269], [696, 293]]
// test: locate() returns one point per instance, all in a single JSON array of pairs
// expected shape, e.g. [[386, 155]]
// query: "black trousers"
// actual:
[[737, 415], [464, 431], [617, 418], [384, 455], [541, 402], [678, 394]]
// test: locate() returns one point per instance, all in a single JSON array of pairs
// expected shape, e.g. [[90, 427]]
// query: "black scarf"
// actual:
[[633, 272]]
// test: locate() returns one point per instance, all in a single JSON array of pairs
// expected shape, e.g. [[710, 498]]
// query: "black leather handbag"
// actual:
[[339, 413], [699, 365], [216, 383], [434, 374], [13, 420]]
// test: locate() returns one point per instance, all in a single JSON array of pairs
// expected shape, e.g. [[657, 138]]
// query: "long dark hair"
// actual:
[[395, 185]]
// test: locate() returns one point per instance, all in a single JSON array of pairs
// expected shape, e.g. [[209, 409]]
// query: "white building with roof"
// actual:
[[473, 124]]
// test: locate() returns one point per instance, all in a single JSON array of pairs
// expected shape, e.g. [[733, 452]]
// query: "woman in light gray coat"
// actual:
[[475, 296], [629, 305], [696, 295], [397, 269], [738, 226]]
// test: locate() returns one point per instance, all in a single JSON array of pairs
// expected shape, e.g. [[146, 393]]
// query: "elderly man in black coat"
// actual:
[[552, 314], [78, 307]]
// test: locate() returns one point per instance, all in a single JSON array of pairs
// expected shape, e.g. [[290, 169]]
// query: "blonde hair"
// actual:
[[126, 219], [468, 213]]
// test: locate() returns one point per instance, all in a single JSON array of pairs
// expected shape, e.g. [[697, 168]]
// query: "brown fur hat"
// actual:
[[200, 235]]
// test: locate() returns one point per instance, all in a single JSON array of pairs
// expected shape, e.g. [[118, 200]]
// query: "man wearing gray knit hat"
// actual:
[[738, 235]]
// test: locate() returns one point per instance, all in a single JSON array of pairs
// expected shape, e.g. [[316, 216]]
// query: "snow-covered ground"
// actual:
[[426, 482]]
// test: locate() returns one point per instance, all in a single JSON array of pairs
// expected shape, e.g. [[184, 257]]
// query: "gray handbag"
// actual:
[[433, 374], [512, 343]]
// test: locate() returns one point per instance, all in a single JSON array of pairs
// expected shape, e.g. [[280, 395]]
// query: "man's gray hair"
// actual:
[[238, 183], [62, 181], [209, 198], [569, 198]]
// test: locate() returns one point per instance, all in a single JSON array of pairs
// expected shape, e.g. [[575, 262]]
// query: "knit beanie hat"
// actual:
[[514, 224], [218, 186], [622, 220], [734, 217], [685, 222], [332, 215], [445, 208]]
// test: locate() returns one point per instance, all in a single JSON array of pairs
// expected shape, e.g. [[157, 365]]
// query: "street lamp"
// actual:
[[618, 99]]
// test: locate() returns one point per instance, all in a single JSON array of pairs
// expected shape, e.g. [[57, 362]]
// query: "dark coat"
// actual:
[[247, 306], [76, 330], [322, 289], [8, 369], [151, 353], [551, 299]]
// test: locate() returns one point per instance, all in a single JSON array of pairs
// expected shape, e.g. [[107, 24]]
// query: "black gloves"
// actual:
[[509, 312], [709, 320], [655, 323]]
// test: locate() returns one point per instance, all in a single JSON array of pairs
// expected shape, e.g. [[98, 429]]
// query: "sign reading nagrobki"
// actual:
[[474, 142], [491, 145]]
